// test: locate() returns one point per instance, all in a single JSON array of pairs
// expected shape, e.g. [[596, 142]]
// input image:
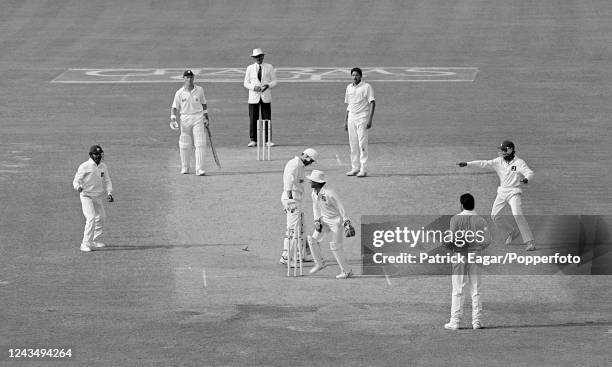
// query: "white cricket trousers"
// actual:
[[293, 217], [192, 134], [358, 141], [335, 230], [466, 278], [513, 198], [95, 216]]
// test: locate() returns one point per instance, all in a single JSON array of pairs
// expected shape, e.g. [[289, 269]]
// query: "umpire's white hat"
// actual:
[[316, 176], [257, 52]]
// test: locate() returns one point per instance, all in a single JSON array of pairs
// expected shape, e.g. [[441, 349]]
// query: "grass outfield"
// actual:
[[191, 277]]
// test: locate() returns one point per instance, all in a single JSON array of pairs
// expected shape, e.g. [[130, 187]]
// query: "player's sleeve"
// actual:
[[176, 102], [482, 164], [289, 176], [338, 204], [108, 183], [346, 99], [273, 81], [526, 171], [316, 211], [247, 78], [78, 178], [370, 94]]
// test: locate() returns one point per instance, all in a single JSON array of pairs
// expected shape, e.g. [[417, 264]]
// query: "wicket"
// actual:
[[264, 127], [294, 255]]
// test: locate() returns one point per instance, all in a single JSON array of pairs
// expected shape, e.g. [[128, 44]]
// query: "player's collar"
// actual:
[[468, 212]]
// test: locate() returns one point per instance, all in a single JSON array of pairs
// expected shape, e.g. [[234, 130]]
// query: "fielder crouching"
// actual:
[[330, 218]]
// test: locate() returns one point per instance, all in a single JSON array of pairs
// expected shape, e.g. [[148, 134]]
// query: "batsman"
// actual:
[[291, 198]]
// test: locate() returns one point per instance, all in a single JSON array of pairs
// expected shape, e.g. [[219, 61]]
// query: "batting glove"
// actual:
[[318, 226], [173, 124], [525, 181], [110, 198]]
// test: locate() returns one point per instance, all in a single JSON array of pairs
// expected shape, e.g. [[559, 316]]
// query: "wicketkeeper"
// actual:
[[329, 219]]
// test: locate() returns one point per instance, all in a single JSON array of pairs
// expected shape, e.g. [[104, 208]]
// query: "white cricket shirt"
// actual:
[[189, 102], [358, 99], [510, 173], [327, 204], [93, 178], [293, 176]]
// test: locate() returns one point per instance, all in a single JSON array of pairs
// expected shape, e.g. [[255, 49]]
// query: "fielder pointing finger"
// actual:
[[513, 172]]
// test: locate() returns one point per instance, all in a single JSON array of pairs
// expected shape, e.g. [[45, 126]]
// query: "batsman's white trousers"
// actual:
[[293, 217], [466, 278], [511, 196], [358, 141], [192, 134], [94, 213]]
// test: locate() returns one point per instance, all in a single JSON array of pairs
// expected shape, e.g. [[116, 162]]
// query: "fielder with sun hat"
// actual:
[[329, 219], [513, 172]]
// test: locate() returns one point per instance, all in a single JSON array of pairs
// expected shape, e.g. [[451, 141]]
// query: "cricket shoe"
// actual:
[[477, 325], [252, 144], [85, 247], [201, 173], [184, 171], [362, 174], [318, 267], [98, 245], [270, 144], [512, 235], [345, 275], [531, 246], [352, 172], [451, 326]]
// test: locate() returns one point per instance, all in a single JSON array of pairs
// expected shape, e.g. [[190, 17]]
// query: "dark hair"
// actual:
[[467, 201], [358, 70]]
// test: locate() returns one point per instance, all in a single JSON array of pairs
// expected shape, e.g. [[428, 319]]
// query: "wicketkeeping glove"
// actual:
[[110, 198], [349, 230]]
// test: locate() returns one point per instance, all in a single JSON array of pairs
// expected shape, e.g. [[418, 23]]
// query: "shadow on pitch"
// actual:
[[566, 324], [155, 247]]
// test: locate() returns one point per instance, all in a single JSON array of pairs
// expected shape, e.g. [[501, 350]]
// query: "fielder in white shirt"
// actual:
[[190, 108], [513, 172], [466, 275], [259, 79], [93, 181], [330, 219], [359, 98], [291, 198]]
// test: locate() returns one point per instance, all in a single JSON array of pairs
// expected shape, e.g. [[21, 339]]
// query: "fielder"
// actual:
[[291, 198], [92, 180], [190, 103], [466, 276], [512, 172], [329, 218], [359, 98]]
